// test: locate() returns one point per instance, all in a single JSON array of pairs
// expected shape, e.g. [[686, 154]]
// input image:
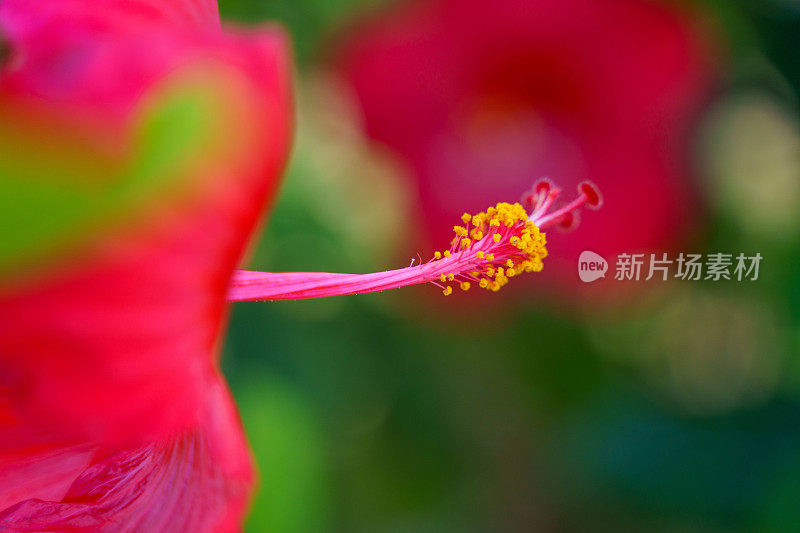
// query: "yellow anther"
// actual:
[[437, 255], [526, 256], [447, 291]]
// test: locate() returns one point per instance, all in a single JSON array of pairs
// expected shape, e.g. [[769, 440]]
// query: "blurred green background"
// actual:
[[381, 412]]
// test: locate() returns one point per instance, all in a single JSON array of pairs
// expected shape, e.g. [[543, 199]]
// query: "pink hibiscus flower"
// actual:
[[139, 143], [480, 98]]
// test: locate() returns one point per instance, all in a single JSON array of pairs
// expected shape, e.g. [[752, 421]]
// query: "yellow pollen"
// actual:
[[447, 291], [525, 254]]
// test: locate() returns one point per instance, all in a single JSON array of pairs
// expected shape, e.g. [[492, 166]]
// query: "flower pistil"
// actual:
[[488, 249]]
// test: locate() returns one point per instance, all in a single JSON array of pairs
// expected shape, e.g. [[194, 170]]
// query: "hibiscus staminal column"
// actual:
[[489, 248]]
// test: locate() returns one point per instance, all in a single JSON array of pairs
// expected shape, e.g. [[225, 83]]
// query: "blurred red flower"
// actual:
[[481, 99], [138, 145]]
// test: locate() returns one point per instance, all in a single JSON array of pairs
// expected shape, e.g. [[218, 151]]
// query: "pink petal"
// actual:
[[32, 464], [196, 481], [180, 13], [115, 337]]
